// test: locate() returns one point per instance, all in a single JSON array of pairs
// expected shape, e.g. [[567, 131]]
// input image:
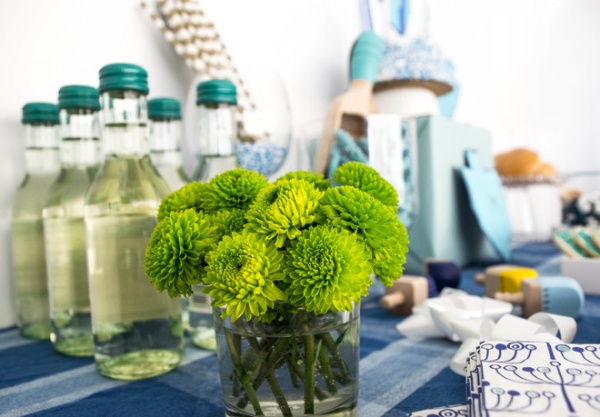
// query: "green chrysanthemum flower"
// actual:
[[368, 180], [283, 209], [385, 236], [326, 270], [175, 254], [188, 196], [236, 188], [241, 273], [316, 179], [228, 221]]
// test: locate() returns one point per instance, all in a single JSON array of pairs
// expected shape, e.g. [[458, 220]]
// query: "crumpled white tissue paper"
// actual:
[[469, 319]]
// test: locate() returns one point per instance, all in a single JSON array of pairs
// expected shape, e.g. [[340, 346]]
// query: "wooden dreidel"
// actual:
[[404, 294], [357, 101], [555, 294], [504, 278], [443, 272]]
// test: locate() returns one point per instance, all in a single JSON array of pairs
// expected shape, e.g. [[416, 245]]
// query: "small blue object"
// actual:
[[419, 59], [486, 199], [584, 210], [349, 147], [265, 158], [443, 273], [335, 160], [345, 149], [363, 144], [433, 291], [365, 15], [448, 101], [399, 12]]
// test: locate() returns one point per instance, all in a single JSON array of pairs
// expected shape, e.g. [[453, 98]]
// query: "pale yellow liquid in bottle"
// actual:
[[29, 261], [64, 232], [27, 231], [201, 327], [132, 311], [217, 155], [137, 330], [67, 272], [169, 165]]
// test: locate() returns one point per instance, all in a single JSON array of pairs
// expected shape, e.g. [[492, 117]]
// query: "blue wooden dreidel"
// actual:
[[444, 273], [549, 294]]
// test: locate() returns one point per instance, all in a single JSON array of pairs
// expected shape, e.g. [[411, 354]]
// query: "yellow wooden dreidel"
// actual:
[[552, 294], [404, 294], [504, 278]]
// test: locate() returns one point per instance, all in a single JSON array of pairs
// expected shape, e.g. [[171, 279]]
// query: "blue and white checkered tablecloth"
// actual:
[[397, 375]]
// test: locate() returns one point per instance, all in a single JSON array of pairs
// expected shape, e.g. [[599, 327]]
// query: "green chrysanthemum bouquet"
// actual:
[[287, 257]]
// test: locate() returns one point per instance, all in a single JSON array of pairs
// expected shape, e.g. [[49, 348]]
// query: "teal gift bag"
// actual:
[[445, 227]]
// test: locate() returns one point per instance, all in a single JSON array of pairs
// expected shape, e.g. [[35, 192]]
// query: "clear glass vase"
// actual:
[[303, 365]]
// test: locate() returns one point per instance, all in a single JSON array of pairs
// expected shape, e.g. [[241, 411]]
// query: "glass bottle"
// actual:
[[64, 228], [42, 163], [137, 330], [216, 102], [165, 140], [217, 137], [165, 152]]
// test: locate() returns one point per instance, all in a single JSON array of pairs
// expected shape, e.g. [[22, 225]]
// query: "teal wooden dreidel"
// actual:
[[549, 294]]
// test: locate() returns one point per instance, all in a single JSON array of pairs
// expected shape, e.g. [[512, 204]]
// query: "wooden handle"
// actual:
[[333, 120], [392, 300], [514, 298]]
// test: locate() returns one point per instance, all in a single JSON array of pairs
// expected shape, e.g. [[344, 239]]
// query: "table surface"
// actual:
[[397, 375]]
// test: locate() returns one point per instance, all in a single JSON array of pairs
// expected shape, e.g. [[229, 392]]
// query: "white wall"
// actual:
[[528, 69], [529, 73]]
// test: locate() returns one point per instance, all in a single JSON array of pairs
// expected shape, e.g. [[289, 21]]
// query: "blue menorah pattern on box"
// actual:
[[539, 378], [449, 411]]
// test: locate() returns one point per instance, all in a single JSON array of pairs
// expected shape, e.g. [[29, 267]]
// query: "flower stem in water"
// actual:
[[336, 358], [309, 377], [237, 363], [326, 370]]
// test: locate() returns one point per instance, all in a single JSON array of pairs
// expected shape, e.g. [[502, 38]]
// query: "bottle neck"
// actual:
[[41, 136], [41, 148], [80, 144], [217, 133], [165, 142], [125, 133]]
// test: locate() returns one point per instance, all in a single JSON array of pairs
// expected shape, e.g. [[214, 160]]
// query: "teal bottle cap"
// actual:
[[164, 108], [78, 97], [40, 113], [123, 77], [216, 91]]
